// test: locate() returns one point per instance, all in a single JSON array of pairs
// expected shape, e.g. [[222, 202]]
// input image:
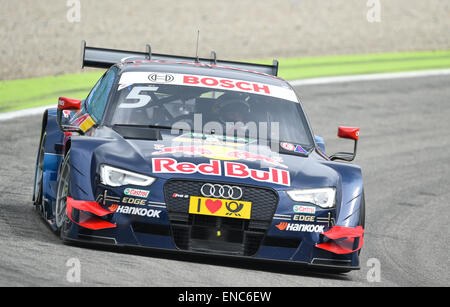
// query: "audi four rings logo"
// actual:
[[221, 191], [161, 78]]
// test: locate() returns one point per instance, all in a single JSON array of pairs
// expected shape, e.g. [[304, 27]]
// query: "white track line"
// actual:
[[23, 113], [302, 82], [371, 77]]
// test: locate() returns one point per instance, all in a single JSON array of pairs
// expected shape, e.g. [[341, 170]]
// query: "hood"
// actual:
[[216, 158]]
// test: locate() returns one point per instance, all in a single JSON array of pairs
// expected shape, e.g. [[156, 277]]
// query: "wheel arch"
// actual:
[[52, 158], [352, 189], [83, 164]]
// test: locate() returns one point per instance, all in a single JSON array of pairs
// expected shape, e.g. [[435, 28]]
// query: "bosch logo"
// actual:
[[161, 78], [221, 191]]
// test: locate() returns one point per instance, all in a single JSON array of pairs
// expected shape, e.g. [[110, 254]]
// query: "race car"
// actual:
[[200, 156]]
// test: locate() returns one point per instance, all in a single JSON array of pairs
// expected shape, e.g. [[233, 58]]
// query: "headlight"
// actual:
[[324, 198], [116, 177]]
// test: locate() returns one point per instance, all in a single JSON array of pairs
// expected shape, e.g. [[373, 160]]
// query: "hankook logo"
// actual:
[[221, 191], [161, 78]]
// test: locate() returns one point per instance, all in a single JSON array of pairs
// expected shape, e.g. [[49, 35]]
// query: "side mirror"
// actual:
[[64, 105], [69, 104], [347, 133]]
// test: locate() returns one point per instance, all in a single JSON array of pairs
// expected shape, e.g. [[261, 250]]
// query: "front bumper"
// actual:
[[118, 219]]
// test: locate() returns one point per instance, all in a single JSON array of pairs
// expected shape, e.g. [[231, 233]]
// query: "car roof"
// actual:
[[201, 69]]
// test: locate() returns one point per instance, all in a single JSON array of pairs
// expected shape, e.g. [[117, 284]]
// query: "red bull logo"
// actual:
[[214, 167]]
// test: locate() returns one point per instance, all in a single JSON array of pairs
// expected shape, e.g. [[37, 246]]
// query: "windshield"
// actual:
[[219, 111]]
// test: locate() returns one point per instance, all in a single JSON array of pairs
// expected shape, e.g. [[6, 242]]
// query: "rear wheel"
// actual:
[[362, 210], [39, 176], [62, 221]]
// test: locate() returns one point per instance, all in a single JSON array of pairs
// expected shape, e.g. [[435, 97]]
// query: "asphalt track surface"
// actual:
[[404, 152]]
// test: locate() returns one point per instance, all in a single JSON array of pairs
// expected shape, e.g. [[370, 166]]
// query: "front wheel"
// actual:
[[362, 215], [63, 222]]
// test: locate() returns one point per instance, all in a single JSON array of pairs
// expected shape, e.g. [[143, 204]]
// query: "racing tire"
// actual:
[[62, 221], [38, 198], [362, 215]]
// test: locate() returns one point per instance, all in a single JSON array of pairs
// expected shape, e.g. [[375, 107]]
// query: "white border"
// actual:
[[370, 77], [25, 112]]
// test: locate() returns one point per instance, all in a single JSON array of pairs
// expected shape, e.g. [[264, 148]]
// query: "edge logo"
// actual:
[[133, 201], [304, 218]]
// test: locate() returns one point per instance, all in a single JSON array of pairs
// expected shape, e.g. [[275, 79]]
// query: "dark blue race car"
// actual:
[[197, 155]]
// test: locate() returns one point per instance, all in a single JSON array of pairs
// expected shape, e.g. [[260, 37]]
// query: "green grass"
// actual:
[[313, 67], [28, 93]]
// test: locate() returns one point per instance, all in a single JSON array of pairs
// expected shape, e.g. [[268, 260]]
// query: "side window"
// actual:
[[96, 101], [91, 94]]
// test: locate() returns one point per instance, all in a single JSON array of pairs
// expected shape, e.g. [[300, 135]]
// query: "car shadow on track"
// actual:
[[220, 260]]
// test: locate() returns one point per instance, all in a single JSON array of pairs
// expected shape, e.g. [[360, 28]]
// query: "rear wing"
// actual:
[[105, 58]]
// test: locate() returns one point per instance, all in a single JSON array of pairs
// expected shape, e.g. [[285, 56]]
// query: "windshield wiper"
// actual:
[[143, 126]]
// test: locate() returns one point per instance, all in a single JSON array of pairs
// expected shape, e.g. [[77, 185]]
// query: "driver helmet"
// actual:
[[233, 110]]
